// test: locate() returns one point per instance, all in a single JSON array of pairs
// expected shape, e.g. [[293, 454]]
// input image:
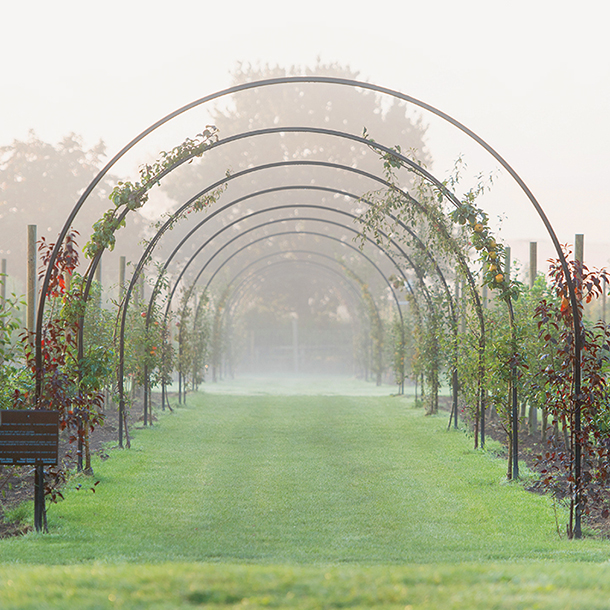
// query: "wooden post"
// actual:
[[3, 285], [579, 247], [533, 262], [604, 291], [533, 412], [3, 278]]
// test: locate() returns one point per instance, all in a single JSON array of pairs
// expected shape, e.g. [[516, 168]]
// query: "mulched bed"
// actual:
[[530, 446]]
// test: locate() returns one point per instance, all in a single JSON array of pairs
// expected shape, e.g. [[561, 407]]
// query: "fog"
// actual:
[[532, 80]]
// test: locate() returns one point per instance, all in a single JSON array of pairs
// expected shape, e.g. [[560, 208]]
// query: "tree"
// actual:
[[39, 184], [331, 107]]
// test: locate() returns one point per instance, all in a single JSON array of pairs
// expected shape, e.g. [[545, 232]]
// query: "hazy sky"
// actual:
[[531, 77]]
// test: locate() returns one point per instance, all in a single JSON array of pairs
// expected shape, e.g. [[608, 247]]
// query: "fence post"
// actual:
[[533, 262], [2, 294], [3, 285]]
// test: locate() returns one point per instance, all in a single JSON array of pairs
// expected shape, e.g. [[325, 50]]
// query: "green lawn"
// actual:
[[304, 501]]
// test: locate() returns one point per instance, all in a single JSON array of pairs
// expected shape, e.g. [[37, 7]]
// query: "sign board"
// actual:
[[29, 437]]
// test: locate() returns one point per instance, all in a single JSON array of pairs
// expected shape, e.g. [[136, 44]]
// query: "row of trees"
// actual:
[[515, 351]]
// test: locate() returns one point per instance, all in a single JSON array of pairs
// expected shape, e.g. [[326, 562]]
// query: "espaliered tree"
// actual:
[[588, 429], [425, 212], [70, 385]]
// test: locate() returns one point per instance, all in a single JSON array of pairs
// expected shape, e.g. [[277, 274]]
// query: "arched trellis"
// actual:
[[265, 224], [418, 272], [267, 237], [351, 279], [302, 187], [300, 232], [340, 263], [230, 225], [411, 164], [321, 189], [169, 223], [577, 326], [286, 219]]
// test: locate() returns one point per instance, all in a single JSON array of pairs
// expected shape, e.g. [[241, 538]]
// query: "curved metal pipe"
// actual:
[[392, 93]]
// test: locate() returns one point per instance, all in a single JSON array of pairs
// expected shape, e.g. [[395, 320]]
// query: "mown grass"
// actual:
[[175, 585], [303, 502]]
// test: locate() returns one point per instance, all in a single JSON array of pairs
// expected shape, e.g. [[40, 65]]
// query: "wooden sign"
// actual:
[[29, 437]]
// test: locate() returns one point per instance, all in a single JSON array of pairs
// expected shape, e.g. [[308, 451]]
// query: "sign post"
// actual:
[[31, 437]]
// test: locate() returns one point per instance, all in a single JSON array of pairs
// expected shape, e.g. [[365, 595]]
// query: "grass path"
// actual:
[[262, 494]]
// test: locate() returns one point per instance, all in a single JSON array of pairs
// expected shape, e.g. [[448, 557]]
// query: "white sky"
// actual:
[[530, 77]]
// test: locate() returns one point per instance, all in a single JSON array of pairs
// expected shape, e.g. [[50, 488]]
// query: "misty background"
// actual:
[[532, 79]]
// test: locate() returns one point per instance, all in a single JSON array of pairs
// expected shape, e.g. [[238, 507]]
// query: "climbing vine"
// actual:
[[128, 196]]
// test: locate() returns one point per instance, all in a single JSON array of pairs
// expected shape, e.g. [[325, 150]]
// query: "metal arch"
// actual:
[[287, 219], [577, 324], [353, 84], [321, 131], [315, 233], [275, 208], [368, 143], [275, 221], [168, 223], [227, 227], [165, 227], [306, 232], [320, 80], [414, 167], [405, 227], [327, 189], [291, 206]]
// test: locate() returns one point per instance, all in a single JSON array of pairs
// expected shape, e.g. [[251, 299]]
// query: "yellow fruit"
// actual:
[[499, 278], [492, 255], [478, 227], [493, 267]]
